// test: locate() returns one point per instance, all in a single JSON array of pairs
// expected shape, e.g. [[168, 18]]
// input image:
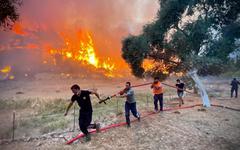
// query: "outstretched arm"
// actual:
[[122, 96], [69, 106], [96, 94], [129, 93]]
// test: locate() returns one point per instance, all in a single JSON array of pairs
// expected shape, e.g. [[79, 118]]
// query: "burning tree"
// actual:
[[186, 35]]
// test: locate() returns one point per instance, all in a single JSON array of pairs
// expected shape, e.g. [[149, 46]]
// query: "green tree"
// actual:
[[176, 43], [9, 13]]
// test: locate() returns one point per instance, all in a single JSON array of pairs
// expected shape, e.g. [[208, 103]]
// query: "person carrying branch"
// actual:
[[130, 104], [180, 91], [85, 113], [158, 94]]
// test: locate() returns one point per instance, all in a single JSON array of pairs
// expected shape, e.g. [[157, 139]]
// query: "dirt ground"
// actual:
[[194, 128]]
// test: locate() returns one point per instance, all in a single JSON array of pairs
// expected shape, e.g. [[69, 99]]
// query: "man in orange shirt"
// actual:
[[158, 94]]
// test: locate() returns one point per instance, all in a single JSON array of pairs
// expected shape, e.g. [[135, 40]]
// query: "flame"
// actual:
[[151, 65], [82, 50], [6, 69], [11, 77], [17, 28], [31, 46]]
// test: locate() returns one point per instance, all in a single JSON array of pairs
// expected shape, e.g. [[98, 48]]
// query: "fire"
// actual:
[[161, 66], [11, 77], [82, 50], [17, 28], [151, 65], [5, 71]]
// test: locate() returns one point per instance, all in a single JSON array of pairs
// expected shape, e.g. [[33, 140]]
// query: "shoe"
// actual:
[[97, 127], [139, 119], [88, 137], [128, 126], [156, 111]]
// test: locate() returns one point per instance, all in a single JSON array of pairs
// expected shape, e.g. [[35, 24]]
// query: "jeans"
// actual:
[[133, 108], [85, 119], [158, 97]]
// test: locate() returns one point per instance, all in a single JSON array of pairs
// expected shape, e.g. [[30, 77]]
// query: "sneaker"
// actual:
[[156, 111], [88, 137], [97, 127]]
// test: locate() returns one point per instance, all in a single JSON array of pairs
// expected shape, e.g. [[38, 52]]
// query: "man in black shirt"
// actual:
[[180, 90], [234, 85], [85, 113]]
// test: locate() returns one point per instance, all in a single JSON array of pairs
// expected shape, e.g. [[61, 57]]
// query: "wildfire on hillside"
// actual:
[[80, 48]]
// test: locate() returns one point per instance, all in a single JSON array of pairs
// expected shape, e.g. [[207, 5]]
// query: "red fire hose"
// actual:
[[149, 114], [139, 85], [124, 123]]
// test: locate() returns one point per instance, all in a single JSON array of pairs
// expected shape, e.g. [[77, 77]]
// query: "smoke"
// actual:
[[42, 23]]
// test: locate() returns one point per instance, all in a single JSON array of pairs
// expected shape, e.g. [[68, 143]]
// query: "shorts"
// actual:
[[180, 94]]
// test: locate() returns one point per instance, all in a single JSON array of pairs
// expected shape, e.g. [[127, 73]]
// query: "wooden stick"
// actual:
[[13, 126]]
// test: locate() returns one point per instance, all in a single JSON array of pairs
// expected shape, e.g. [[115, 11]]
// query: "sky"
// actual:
[[45, 23]]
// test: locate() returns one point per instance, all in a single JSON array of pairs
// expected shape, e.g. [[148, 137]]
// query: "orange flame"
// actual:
[[17, 28], [82, 50], [6, 71], [150, 65]]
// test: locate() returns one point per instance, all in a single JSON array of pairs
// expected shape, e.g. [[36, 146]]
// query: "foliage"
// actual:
[[186, 35], [9, 13]]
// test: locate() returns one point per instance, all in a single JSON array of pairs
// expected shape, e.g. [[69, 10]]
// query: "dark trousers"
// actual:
[[133, 108], [158, 97], [85, 118], [236, 92]]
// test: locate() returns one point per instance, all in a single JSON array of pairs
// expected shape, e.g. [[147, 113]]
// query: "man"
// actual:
[[180, 91], [158, 94], [130, 103], [234, 85], [85, 113]]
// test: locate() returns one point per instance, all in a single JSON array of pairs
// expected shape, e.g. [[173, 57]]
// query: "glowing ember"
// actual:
[[11, 77], [6, 69], [148, 64], [151, 65], [82, 50], [17, 28]]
